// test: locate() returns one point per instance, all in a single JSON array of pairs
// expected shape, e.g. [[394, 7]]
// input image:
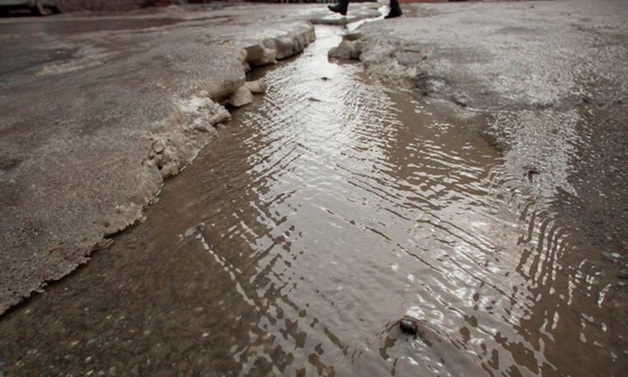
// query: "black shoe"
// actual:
[[395, 9], [394, 12], [341, 7]]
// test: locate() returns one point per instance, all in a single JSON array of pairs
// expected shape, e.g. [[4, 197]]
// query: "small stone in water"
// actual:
[[612, 257], [408, 326], [159, 146]]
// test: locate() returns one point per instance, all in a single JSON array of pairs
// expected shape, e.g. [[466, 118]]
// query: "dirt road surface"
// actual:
[[98, 111]]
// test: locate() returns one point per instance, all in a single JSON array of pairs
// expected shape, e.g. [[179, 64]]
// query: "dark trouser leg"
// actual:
[[395, 9], [341, 7]]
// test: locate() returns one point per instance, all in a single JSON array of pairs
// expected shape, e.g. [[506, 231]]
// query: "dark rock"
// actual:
[[624, 273], [531, 171], [408, 326], [195, 230]]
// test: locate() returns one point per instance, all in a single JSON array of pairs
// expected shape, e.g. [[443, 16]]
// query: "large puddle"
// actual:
[[293, 245]]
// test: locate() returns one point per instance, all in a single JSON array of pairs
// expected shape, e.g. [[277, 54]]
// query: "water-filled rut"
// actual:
[[328, 210]]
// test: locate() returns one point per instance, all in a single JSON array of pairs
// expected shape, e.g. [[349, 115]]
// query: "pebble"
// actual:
[[195, 230], [408, 326], [612, 257], [159, 146]]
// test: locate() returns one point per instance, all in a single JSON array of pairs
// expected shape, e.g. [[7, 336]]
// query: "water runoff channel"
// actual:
[[328, 210]]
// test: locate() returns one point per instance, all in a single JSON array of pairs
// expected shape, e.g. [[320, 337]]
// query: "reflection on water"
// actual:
[[294, 244]]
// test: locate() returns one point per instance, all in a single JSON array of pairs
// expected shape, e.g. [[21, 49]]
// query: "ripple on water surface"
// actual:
[[324, 214], [362, 205]]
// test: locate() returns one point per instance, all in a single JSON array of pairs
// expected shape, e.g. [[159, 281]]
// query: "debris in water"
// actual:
[[194, 231], [531, 171], [612, 257], [408, 326]]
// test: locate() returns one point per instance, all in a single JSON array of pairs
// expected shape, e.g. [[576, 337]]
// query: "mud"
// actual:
[[551, 76], [321, 216], [93, 121], [334, 206]]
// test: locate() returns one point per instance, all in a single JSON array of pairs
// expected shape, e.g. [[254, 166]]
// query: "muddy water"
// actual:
[[292, 246]]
